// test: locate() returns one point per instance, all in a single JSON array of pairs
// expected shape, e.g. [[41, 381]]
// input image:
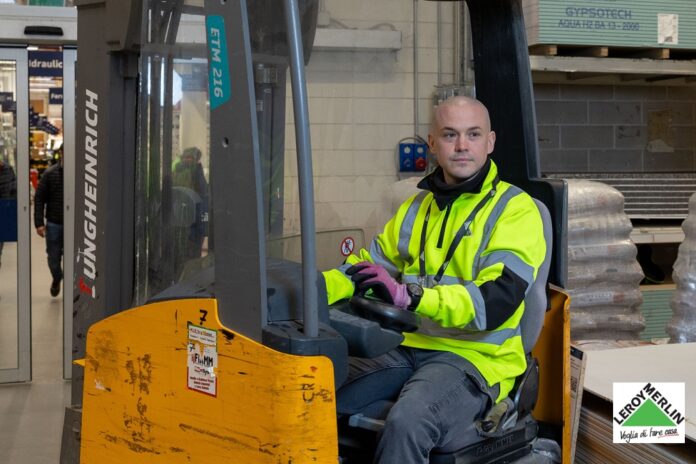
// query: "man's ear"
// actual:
[[431, 143], [491, 142]]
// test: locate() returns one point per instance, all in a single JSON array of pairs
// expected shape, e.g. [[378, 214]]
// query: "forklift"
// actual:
[[228, 354]]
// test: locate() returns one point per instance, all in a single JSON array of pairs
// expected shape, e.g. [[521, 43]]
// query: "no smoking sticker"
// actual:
[[347, 246]]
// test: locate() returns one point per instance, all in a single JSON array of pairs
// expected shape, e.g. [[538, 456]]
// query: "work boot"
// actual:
[[55, 287]]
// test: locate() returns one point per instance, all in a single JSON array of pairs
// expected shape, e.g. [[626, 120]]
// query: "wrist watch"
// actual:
[[415, 291]]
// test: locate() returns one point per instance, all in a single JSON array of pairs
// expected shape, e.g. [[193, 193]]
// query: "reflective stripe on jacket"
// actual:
[[504, 246]]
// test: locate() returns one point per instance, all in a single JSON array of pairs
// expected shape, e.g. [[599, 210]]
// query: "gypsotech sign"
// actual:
[[649, 412]]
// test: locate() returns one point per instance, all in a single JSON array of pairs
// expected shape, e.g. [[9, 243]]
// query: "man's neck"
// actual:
[[446, 193]]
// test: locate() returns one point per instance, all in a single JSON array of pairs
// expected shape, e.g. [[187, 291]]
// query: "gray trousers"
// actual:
[[438, 397], [54, 250]]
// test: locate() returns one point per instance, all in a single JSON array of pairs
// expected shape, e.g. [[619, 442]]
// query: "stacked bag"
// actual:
[[603, 273], [682, 327]]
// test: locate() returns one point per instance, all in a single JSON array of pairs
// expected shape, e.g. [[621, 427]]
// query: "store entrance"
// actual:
[[36, 142]]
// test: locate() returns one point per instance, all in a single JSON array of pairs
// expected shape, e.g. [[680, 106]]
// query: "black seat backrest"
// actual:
[[536, 300]]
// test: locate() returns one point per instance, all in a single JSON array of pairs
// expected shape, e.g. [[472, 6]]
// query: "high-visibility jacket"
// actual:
[[500, 250]]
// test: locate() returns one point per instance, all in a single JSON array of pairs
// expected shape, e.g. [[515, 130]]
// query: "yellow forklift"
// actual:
[[192, 343]]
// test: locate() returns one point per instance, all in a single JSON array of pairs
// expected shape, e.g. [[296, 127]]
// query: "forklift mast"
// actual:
[[125, 215], [127, 51]]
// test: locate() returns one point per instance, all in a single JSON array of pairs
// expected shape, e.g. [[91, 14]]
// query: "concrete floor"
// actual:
[[31, 414]]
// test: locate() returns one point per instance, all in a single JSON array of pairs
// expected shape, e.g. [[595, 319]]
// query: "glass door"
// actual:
[[69, 59], [15, 282]]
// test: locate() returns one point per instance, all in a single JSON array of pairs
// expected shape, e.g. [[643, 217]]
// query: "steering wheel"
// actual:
[[386, 315]]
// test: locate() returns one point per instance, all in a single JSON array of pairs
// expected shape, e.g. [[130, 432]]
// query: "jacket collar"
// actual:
[[445, 194]]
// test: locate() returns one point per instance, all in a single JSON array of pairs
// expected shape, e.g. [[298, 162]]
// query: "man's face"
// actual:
[[461, 139]]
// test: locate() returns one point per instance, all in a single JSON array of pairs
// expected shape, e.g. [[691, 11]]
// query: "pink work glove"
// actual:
[[369, 276]]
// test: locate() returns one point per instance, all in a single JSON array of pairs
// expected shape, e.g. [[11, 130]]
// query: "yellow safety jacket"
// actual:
[[500, 248]]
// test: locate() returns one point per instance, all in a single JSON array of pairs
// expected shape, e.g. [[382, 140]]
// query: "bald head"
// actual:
[[459, 102]]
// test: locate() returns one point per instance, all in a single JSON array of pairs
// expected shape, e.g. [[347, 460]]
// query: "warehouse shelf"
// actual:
[[627, 66]]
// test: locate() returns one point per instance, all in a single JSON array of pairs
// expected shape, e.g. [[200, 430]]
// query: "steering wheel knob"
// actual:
[[386, 315]]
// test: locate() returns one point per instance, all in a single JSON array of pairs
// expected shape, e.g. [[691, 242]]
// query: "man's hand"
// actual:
[[369, 276], [41, 231]]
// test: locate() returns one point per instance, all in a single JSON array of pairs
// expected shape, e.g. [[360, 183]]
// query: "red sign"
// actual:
[[347, 246]]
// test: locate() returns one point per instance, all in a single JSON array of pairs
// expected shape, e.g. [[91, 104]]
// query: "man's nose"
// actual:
[[460, 144]]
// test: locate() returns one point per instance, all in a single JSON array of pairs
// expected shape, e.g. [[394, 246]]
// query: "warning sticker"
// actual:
[[203, 335], [347, 246], [202, 360]]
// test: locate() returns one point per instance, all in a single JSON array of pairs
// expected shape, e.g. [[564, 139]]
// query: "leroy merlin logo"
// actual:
[[649, 413]]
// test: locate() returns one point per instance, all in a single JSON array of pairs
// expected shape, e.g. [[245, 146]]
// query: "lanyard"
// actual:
[[464, 230]]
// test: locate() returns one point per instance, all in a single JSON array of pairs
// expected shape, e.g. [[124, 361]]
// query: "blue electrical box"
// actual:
[[413, 157], [405, 157], [420, 157]]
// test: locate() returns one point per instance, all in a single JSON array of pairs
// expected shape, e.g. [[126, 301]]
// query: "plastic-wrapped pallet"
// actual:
[[603, 273], [682, 327], [400, 191]]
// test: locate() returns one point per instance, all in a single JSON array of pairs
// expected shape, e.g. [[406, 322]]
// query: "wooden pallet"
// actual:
[[613, 52]]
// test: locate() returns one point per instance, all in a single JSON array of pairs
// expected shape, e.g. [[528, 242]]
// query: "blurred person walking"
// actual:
[[48, 204]]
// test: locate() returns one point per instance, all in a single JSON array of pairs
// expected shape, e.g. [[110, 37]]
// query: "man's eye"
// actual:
[[449, 135], [473, 135]]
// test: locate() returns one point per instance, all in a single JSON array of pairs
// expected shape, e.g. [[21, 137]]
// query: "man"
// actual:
[[462, 254], [188, 173], [48, 202]]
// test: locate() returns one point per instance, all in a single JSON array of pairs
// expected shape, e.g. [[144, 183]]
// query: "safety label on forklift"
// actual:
[[219, 76], [202, 360]]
